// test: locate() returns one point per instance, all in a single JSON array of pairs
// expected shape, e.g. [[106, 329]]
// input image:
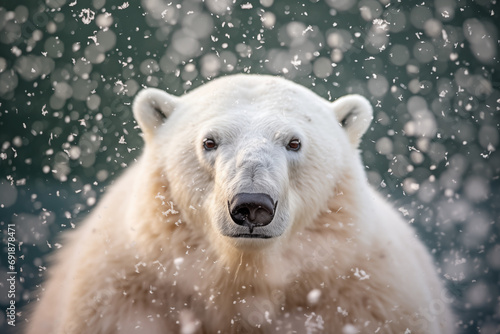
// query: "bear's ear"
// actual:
[[151, 107], [354, 113]]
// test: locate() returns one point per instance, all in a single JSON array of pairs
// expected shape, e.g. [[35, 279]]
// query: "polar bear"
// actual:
[[248, 212]]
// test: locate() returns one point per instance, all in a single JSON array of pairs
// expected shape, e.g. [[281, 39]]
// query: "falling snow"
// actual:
[[313, 296], [87, 15], [69, 72]]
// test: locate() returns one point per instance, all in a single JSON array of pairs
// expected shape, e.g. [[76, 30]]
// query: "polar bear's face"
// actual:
[[252, 155]]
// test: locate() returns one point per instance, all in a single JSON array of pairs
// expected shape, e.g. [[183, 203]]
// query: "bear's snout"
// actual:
[[252, 210]]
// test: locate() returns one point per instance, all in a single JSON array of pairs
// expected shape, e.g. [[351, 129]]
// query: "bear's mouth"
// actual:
[[251, 236]]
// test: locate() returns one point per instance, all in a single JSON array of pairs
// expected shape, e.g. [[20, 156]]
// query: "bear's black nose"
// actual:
[[252, 210]]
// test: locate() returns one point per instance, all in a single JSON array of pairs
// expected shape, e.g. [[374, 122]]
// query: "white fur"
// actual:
[[356, 113], [153, 256], [151, 107]]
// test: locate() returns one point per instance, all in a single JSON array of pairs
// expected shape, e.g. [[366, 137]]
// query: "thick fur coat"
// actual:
[[161, 253]]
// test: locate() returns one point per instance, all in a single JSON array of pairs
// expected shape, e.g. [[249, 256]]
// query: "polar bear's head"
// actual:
[[251, 157]]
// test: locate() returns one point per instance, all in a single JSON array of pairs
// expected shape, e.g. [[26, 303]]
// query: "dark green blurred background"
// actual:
[[69, 71]]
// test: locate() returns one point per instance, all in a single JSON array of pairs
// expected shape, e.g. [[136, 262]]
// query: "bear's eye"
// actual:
[[209, 144], [293, 145]]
